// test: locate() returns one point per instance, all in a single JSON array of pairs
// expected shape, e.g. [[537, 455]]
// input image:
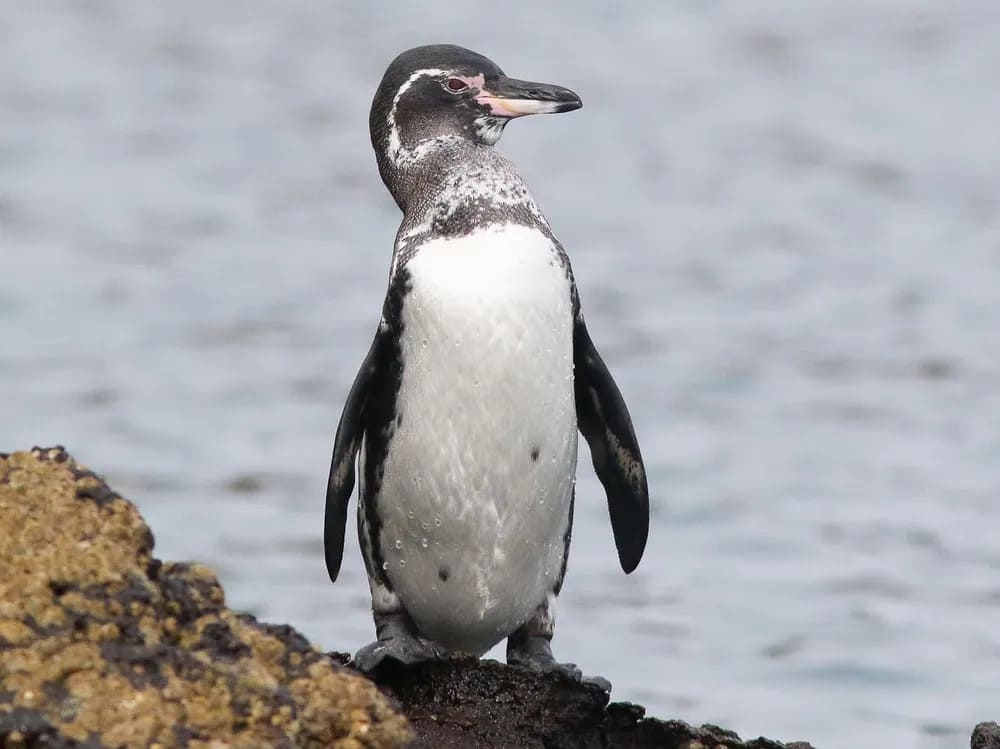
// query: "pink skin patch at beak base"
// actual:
[[472, 81]]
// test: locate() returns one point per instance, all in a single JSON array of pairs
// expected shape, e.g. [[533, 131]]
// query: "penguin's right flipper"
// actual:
[[604, 420], [350, 431]]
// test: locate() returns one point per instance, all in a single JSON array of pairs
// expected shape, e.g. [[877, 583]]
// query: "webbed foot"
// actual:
[[397, 640], [535, 652]]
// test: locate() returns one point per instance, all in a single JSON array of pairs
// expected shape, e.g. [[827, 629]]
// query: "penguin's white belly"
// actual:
[[479, 474]]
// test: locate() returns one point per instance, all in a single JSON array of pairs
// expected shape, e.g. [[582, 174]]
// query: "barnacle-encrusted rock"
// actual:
[[101, 645]]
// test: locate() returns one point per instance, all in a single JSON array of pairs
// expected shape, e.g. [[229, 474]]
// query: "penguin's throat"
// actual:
[[449, 172]]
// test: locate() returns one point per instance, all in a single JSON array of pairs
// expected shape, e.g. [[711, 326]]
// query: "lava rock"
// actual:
[[986, 736], [472, 704]]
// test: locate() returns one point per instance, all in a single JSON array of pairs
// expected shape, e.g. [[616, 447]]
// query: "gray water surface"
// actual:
[[784, 219]]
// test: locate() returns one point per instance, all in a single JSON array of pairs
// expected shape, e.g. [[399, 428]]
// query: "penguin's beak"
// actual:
[[509, 97]]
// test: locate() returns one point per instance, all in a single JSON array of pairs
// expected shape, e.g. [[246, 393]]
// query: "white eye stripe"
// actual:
[[395, 144], [409, 82]]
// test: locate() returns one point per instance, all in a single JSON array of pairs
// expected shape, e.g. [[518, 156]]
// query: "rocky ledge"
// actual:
[[468, 703], [101, 645]]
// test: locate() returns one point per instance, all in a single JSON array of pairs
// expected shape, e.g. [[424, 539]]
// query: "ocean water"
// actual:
[[784, 219]]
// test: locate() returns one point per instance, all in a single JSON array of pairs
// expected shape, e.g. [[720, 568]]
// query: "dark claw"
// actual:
[[569, 670]]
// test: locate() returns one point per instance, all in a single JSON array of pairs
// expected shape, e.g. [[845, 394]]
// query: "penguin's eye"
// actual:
[[456, 85]]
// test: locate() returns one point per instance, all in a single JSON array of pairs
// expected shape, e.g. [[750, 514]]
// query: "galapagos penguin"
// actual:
[[463, 417]]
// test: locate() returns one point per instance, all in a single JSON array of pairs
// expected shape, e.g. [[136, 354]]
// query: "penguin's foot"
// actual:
[[405, 649], [397, 640], [535, 652]]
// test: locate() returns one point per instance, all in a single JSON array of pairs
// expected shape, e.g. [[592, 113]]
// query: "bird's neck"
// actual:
[[408, 172], [453, 190], [446, 170]]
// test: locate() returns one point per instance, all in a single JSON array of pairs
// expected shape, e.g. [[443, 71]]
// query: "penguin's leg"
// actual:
[[397, 639], [396, 634], [530, 646]]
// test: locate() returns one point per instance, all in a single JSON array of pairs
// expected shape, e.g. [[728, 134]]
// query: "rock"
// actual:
[[471, 704], [986, 736], [101, 645]]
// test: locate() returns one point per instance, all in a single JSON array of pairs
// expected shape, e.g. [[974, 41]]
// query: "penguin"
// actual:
[[463, 417]]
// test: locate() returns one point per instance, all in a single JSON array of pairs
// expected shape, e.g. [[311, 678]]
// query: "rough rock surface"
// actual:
[[485, 705], [986, 736], [101, 645]]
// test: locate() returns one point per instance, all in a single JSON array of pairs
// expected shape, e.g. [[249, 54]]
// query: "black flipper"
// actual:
[[605, 423], [369, 414], [345, 450]]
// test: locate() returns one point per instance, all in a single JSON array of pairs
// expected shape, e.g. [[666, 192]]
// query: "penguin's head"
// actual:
[[438, 92]]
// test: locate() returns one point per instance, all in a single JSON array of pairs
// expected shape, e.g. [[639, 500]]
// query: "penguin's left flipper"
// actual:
[[604, 421], [350, 431]]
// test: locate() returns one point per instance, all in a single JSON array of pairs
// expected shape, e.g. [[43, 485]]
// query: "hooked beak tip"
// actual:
[[513, 98], [568, 102]]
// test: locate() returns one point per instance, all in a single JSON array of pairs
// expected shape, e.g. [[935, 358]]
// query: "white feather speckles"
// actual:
[[488, 440], [493, 182], [489, 129]]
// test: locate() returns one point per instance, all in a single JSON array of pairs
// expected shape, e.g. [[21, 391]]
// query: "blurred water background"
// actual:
[[784, 219]]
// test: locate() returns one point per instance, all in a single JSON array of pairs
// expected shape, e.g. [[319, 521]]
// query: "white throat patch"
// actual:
[[489, 129]]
